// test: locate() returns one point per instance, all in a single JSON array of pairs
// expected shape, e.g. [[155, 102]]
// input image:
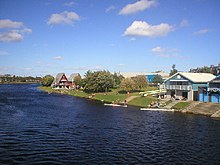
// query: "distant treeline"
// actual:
[[8, 79], [205, 69]]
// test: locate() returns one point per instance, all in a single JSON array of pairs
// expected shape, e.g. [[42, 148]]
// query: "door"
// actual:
[[185, 95], [195, 96], [172, 93]]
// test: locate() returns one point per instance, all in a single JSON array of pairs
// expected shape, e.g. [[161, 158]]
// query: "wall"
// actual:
[[195, 86]]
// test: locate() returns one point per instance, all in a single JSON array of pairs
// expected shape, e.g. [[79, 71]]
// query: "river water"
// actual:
[[41, 128]]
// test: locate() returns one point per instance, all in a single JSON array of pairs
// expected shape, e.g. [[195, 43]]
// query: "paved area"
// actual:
[[169, 106], [205, 108]]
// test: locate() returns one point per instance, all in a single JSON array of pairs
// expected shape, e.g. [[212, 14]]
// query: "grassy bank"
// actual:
[[109, 97], [181, 105], [142, 101]]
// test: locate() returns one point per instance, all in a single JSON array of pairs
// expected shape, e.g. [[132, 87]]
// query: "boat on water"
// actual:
[[157, 109], [115, 105]]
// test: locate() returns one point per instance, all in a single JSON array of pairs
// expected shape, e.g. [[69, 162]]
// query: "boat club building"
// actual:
[[210, 93], [184, 85]]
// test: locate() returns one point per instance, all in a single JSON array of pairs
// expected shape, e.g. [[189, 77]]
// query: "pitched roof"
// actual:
[[58, 77], [216, 79], [72, 76], [195, 77]]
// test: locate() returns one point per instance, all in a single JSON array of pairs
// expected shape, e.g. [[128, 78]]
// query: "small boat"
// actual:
[[115, 105], [157, 109]]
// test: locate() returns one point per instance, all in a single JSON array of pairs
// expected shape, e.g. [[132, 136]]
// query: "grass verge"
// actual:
[[181, 105], [142, 101]]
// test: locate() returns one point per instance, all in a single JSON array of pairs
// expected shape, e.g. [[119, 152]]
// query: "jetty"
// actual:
[[157, 109]]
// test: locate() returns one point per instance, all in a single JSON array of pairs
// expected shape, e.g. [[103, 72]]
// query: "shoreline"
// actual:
[[204, 110], [15, 83]]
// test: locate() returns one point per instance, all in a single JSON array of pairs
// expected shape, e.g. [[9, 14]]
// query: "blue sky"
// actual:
[[39, 37]]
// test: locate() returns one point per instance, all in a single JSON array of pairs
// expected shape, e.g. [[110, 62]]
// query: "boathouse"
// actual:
[[211, 93], [61, 82], [184, 85]]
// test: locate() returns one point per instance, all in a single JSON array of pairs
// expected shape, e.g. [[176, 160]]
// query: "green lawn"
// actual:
[[142, 101], [181, 105], [110, 97], [46, 89], [79, 93]]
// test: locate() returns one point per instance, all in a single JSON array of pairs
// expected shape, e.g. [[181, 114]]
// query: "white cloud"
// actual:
[[157, 49], [142, 28], [58, 57], [7, 23], [184, 23], [3, 53], [69, 4], [133, 39], [202, 31], [166, 52], [110, 8], [63, 18], [26, 30], [137, 7], [14, 35], [11, 36]]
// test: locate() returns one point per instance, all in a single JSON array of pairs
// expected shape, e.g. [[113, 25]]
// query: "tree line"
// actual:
[[7, 79], [104, 81]]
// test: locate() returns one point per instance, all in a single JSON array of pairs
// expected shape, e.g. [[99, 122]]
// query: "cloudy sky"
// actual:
[[39, 37]]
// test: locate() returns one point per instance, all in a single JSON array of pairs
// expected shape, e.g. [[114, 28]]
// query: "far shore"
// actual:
[[19, 83], [134, 99]]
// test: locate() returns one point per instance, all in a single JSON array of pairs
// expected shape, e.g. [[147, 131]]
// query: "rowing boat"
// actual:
[[115, 105]]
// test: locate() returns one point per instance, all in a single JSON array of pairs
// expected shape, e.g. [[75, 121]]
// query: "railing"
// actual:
[[179, 87], [212, 89]]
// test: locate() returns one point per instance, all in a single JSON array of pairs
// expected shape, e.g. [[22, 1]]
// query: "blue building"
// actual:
[[184, 85], [211, 93]]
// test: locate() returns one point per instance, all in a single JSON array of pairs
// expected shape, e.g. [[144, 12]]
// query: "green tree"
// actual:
[[205, 69], [117, 79], [157, 79], [174, 70], [47, 80], [99, 81], [140, 82], [128, 85], [77, 80]]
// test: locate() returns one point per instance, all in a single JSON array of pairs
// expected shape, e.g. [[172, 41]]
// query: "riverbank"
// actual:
[[114, 96], [134, 99], [207, 109]]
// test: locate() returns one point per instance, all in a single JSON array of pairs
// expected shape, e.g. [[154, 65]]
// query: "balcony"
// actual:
[[179, 87]]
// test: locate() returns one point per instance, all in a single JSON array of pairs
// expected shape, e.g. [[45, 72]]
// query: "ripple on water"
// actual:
[[37, 128]]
